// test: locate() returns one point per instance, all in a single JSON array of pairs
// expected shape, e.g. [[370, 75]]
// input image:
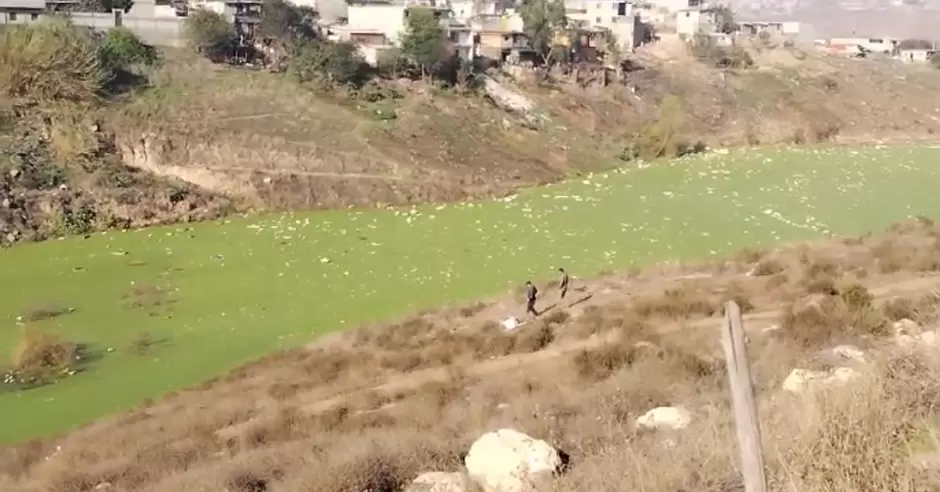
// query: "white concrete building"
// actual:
[[617, 16]]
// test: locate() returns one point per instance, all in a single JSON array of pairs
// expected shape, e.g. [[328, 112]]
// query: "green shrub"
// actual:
[[122, 49], [50, 61], [210, 35], [705, 49], [663, 137], [334, 63], [392, 63]]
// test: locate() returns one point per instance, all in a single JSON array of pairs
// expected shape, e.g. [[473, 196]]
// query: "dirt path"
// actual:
[[316, 174], [753, 322]]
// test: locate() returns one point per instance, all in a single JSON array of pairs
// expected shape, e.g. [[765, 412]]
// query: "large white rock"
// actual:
[[511, 323], [800, 380], [439, 482], [665, 418], [906, 327], [509, 461]]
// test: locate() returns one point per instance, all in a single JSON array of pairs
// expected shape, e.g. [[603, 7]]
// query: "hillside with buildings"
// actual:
[[626, 81]]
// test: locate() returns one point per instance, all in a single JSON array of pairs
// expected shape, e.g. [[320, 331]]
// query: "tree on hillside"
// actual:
[[210, 35], [287, 23], [542, 20], [103, 5], [614, 55], [424, 41], [724, 20], [333, 63]]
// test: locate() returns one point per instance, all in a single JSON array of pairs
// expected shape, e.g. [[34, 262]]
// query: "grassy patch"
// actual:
[[249, 286]]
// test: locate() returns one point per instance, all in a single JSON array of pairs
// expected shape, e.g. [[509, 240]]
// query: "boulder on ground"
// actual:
[[800, 380], [439, 482], [510, 461], [511, 323], [665, 418], [906, 327]]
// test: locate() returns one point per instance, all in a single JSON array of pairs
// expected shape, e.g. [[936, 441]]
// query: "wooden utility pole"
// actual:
[[742, 394]]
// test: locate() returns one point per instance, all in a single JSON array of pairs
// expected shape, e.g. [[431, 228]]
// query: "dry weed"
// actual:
[[677, 303], [834, 318], [46, 310], [40, 357], [149, 297]]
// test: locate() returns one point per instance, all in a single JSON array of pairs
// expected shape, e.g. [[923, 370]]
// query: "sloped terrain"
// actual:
[[206, 140], [371, 408], [265, 140]]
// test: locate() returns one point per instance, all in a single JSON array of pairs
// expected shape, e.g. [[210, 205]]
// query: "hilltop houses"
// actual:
[[490, 29]]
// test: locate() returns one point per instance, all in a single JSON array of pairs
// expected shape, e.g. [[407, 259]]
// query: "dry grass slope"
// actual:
[[372, 408]]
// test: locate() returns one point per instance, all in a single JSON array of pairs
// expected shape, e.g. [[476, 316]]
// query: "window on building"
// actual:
[[33, 16], [597, 20], [12, 16], [622, 8]]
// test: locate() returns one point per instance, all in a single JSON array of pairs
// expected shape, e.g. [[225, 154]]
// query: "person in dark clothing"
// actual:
[[564, 282], [530, 294]]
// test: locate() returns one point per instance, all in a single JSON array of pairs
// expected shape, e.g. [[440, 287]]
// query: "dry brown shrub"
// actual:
[[768, 267], [856, 296], [600, 363], [45, 310], [143, 343], [557, 317], [833, 319], [923, 309], [678, 303], [534, 338], [48, 62], [859, 437], [148, 297], [41, 357], [750, 255], [471, 310]]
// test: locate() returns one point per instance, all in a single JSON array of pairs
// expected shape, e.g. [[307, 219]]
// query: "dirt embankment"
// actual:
[[259, 139], [372, 408]]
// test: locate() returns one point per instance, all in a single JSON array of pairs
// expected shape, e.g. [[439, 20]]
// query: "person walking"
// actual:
[[530, 294], [563, 286]]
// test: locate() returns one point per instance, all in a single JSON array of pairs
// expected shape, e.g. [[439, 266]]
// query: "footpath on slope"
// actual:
[[754, 322]]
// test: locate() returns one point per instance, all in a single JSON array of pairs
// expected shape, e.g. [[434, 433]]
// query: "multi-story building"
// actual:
[[616, 16]]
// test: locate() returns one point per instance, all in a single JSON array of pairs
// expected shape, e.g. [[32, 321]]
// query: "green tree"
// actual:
[[287, 23], [542, 20], [210, 35], [424, 42], [391, 63], [724, 20], [334, 63]]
